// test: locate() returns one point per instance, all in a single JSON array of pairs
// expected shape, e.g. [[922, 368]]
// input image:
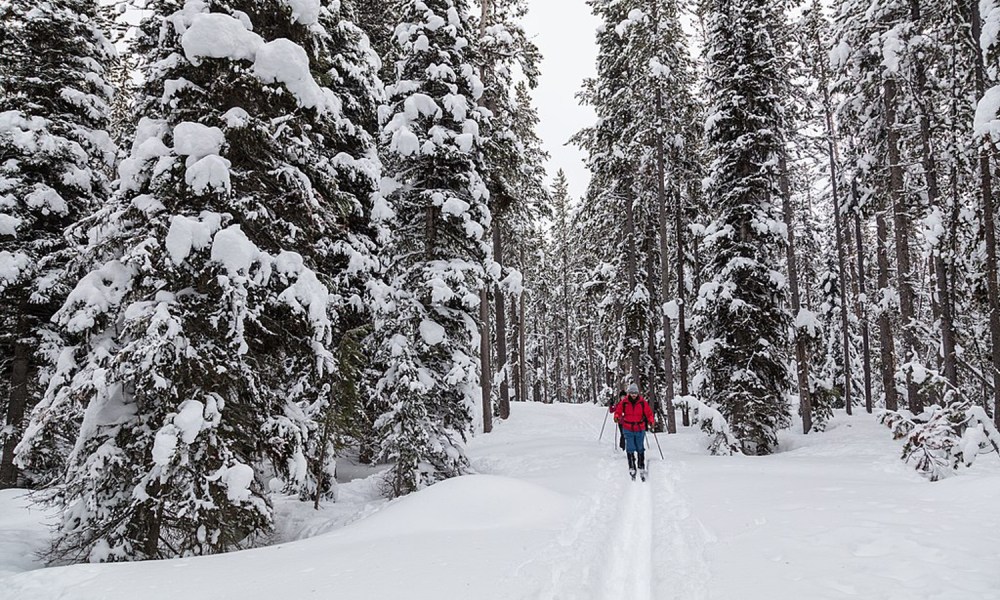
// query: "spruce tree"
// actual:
[[743, 323], [439, 251], [55, 153], [224, 273]]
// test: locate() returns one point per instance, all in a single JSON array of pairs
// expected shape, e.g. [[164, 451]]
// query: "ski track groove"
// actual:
[[681, 541], [631, 571], [635, 540]]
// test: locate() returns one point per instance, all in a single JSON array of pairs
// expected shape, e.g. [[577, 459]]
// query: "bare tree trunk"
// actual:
[[901, 224], [517, 363], [631, 266], [986, 192], [501, 328], [523, 360], [668, 342], [682, 335], [888, 344], [863, 305], [801, 354], [16, 406], [838, 219], [946, 320], [485, 369], [591, 366], [567, 336], [653, 394]]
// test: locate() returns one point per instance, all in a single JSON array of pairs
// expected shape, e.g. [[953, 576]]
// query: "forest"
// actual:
[[241, 239]]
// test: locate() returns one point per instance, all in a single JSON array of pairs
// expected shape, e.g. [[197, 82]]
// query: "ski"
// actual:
[[643, 474]]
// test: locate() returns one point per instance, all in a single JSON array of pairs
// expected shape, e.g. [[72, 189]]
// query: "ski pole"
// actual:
[[658, 445], [600, 437]]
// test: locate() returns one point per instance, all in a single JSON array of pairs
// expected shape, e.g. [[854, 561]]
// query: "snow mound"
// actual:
[[460, 504]]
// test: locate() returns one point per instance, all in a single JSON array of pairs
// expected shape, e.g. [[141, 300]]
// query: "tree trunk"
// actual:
[[901, 225], [863, 304], [888, 344], [668, 342], [567, 336], [501, 326], [946, 319], [631, 266], [801, 356], [682, 335], [986, 193], [522, 348], [517, 364], [838, 220], [16, 407], [591, 364], [485, 369]]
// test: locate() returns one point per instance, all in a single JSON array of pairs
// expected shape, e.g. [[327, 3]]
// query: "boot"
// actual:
[[631, 464], [642, 461]]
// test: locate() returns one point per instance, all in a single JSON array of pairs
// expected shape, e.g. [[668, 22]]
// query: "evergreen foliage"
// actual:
[[224, 270], [440, 257], [55, 154], [740, 312]]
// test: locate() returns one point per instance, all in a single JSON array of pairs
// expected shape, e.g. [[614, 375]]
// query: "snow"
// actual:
[[305, 12], [209, 173], [431, 332], [286, 62], [197, 140], [47, 200], [218, 35], [892, 47], [189, 420], [551, 514], [12, 266], [164, 445], [238, 479], [808, 320], [672, 309], [986, 122], [234, 250], [187, 234]]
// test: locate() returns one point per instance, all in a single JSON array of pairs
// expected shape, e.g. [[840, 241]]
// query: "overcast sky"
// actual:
[[564, 31]]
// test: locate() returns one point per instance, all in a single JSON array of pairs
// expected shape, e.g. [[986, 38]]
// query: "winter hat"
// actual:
[[633, 389]]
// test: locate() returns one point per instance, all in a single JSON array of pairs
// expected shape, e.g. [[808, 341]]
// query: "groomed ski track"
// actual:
[[626, 539]]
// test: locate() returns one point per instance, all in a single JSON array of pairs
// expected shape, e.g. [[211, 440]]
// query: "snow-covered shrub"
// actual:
[[713, 423], [944, 439]]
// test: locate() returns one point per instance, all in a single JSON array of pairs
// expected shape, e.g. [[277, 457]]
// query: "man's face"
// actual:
[[632, 395]]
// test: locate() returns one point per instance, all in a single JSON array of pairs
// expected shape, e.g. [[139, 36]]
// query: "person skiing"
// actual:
[[611, 409], [634, 414]]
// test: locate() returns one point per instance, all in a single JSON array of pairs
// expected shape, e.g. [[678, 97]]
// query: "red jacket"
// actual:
[[634, 415]]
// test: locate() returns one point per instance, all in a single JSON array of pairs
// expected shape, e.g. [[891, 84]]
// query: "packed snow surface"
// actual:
[[553, 515]]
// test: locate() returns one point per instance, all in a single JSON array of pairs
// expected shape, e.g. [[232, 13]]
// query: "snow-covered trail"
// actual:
[[552, 515]]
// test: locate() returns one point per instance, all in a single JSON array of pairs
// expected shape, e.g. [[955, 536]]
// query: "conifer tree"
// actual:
[[439, 253], [740, 312], [55, 152], [224, 274]]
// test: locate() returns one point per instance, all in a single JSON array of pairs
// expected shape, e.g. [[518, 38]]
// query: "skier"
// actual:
[[634, 414], [611, 409]]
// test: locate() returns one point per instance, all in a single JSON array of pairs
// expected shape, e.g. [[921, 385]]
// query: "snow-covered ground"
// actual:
[[552, 515]]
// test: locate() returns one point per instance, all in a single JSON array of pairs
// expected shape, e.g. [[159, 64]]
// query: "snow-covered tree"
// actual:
[[740, 311], [438, 254], [233, 257], [942, 440], [55, 153]]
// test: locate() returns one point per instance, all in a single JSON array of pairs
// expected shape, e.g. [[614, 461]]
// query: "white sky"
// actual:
[[564, 31]]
